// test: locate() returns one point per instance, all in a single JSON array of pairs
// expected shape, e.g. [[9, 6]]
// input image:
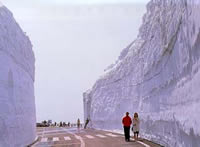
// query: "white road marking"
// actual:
[[77, 137], [62, 144], [54, 134], [146, 145], [81, 140], [55, 139], [101, 136], [89, 136], [67, 138], [44, 139], [142, 143], [82, 143], [112, 135]]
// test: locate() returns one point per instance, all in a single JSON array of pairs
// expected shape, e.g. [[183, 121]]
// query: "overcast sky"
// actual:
[[21, 2], [73, 45]]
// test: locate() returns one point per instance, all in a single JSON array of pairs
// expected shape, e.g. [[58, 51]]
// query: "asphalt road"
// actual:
[[72, 137]]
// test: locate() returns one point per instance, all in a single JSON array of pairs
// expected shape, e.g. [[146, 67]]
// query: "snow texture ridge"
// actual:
[[157, 76], [17, 102]]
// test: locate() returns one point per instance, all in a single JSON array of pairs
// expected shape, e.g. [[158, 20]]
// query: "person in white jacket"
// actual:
[[136, 125]]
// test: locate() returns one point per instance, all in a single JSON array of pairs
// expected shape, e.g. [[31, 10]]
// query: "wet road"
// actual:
[[72, 137]]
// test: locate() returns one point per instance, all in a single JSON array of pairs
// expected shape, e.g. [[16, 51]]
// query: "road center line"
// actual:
[[77, 137], [81, 139]]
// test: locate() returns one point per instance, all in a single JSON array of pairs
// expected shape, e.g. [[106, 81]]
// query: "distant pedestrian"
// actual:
[[136, 126], [86, 123], [64, 124], [78, 123], [127, 123], [61, 124]]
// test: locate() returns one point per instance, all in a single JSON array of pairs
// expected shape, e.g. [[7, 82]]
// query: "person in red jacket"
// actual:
[[127, 123]]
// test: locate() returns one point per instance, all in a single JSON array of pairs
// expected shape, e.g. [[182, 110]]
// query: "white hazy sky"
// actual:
[[73, 1], [73, 45]]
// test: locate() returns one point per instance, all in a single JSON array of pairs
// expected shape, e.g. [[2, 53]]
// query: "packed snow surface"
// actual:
[[17, 104], [157, 76]]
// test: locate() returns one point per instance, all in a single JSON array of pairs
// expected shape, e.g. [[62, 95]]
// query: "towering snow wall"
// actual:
[[17, 104], [157, 76]]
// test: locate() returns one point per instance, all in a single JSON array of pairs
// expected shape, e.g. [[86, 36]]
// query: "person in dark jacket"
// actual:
[[86, 123], [126, 121]]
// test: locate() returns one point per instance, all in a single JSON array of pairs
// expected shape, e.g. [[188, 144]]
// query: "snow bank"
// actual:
[[17, 104], [157, 76]]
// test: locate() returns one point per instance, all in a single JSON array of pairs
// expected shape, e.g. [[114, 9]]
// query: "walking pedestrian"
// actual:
[[127, 123], [136, 126], [78, 123], [86, 123]]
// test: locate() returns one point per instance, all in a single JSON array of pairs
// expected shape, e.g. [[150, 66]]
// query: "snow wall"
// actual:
[[17, 102], [157, 76]]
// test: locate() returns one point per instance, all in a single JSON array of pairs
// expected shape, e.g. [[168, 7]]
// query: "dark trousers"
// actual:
[[127, 133]]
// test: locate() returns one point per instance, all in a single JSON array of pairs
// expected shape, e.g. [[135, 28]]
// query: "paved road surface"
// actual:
[[72, 137]]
